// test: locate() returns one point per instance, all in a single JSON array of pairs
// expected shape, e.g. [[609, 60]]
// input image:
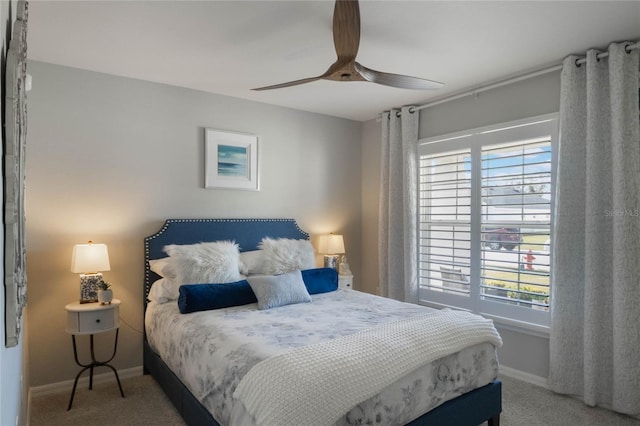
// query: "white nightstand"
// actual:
[[345, 281], [92, 318]]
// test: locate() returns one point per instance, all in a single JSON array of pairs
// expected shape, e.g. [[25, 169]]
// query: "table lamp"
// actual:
[[89, 260], [332, 246]]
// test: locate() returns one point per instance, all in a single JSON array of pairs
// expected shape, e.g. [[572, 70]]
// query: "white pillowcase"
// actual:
[[162, 291], [163, 267], [286, 255], [204, 263], [279, 290], [252, 262]]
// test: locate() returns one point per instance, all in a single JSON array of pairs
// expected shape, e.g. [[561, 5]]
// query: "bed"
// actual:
[[462, 398]]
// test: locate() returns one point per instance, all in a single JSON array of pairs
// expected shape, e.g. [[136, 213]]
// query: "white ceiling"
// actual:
[[229, 47]]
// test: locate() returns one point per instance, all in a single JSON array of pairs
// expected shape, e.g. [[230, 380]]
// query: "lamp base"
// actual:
[[331, 261], [89, 286]]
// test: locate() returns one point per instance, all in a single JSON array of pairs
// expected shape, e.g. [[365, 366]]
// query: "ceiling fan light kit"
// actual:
[[346, 39]]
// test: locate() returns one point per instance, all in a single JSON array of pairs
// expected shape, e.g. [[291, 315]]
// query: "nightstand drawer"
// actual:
[[92, 318], [345, 281], [96, 321]]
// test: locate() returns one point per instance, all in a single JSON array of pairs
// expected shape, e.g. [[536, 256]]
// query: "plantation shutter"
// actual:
[[516, 222], [445, 221]]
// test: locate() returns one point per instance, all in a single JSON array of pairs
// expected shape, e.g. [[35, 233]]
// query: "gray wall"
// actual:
[[527, 98], [13, 391], [522, 351], [371, 163], [110, 158]]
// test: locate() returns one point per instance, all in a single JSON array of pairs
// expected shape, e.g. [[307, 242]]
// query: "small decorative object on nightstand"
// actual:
[[105, 294], [345, 281], [344, 266], [92, 318], [89, 260]]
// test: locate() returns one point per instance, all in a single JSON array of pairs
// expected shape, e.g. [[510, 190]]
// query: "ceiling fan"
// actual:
[[346, 38]]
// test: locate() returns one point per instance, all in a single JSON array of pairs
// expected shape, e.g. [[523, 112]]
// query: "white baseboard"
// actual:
[[524, 377], [67, 385]]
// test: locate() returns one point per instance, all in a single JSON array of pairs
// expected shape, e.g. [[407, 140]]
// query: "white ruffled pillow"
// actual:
[[204, 263], [286, 255]]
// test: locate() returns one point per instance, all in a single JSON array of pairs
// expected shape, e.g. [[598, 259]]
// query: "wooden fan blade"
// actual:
[[289, 84], [346, 29], [396, 80], [335, 72], [346, 38]]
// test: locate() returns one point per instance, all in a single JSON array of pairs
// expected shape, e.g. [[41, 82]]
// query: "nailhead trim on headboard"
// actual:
[[204, 222]]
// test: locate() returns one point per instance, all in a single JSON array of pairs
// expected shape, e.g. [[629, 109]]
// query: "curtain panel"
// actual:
[[595, 315], [398, 251]]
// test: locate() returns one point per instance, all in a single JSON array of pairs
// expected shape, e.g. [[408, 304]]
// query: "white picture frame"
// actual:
[[231, 160]]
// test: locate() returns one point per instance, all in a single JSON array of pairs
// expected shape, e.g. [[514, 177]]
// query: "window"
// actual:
[[486, 198]]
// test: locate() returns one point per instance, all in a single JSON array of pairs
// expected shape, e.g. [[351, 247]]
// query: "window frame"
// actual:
[[475, 140]]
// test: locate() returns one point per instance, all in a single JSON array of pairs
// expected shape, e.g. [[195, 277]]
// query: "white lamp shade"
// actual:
[[331, 244], [87, 258]]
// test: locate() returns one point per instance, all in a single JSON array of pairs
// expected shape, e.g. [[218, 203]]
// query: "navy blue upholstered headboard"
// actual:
[[246, 232]]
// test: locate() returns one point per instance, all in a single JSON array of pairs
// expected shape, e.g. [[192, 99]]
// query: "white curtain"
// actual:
[[398, 206], [595, 317]]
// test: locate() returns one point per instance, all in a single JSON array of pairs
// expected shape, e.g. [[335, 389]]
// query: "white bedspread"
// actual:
[[211, 351], [317, 384]]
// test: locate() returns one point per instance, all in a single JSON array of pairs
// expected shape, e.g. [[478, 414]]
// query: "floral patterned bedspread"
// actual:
[[211, 352]]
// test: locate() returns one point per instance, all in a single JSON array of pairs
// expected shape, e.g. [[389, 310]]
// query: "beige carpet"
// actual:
[[145, 404]]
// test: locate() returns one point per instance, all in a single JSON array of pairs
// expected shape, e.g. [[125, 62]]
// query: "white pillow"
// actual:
[[163, 267], [279, 290], [162, 291], [252, 262], [205, 263], [286, 255]]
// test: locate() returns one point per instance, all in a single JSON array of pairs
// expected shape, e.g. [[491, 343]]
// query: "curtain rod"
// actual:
[[512, 80], [480, 89], [603, 55]]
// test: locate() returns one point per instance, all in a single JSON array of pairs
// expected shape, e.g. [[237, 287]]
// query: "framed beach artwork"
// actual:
[[231, 160]]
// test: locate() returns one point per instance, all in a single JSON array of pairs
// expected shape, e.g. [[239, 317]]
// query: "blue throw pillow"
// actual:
[[320, 280], [204, 297]]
